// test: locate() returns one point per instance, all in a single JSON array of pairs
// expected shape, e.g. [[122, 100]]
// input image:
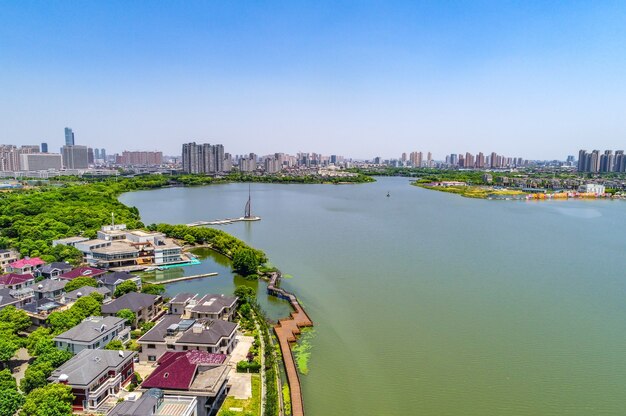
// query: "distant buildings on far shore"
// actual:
[[595, 161]]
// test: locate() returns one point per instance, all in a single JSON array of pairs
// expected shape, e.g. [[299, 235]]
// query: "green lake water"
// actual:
[[427, 303]]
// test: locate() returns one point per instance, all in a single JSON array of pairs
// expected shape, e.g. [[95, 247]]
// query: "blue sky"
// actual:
[[361, 79]]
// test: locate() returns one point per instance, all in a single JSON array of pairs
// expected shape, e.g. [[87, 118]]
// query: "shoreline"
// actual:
[[478, 192]]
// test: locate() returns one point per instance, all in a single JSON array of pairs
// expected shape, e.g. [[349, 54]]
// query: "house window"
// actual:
[[151, 357], [185, 348], [151, 346]]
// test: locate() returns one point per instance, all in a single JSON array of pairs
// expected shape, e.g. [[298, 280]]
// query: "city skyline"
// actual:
[[539, 80]]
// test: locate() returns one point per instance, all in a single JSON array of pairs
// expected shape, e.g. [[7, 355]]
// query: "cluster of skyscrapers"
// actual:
[[482, 161], [601, 162], [203, 158]]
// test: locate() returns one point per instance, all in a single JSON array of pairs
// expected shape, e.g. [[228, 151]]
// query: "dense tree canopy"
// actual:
[[128, 315], [51, 400], [124, 288], [152, 289], [246, 262], [80, 282]]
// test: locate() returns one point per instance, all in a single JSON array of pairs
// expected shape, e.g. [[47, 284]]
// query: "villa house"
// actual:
[[95, 376], [54, 269], [196, 374], [145, 306], [82, 272], [93, 333], [49, 289], [155, 402], [15, 281], [209, 306], [113, 279], [6, 257], [75, 294], [175, 334], [26, 265]]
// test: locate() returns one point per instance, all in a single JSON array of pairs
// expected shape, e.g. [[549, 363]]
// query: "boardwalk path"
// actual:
[[286, 332]]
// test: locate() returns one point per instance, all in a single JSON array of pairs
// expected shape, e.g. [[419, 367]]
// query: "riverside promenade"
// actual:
[[286, 331]]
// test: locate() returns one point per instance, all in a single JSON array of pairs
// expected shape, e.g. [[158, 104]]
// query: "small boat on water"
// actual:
[[388, 194]]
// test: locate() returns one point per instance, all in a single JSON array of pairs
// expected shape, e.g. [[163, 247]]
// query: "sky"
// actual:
[[532, 79]]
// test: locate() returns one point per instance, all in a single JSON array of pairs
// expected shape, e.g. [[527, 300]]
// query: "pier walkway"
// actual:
[[286, 332], [180, 279], [222, 222]]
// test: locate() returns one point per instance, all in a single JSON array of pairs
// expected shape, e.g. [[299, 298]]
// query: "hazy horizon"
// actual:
[[361, 79]]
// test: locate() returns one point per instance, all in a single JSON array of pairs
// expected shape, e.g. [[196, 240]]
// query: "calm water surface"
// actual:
[[427, 303]]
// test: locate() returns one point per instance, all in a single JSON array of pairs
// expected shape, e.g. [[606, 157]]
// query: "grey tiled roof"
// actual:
[[212, 331], [140, 407], [214, 303], [49, 285], [86, 291], [182, 297], [132, 300], [113, 277], [88, 365], [5, 297], [90, 329]]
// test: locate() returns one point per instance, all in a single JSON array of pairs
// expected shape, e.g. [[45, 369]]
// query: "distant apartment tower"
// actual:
[[44, 147], [69, 137], [75, 157], [90, 156], [203, 158], [10, 156], [103, 154], [40, 161], [141, 158]]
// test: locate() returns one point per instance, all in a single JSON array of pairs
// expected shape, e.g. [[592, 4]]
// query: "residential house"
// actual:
[[196, 374], [75, 294], [7, 298], [178, 303], [54, 269], [95, 376], [155, 402], [82, 272], [213, 307], [40, 309], [113, 279], [93, 333], [70, 241], [145, 306], [15, 281], [175, 334], [7, 257], [50, 289], [25, 265]]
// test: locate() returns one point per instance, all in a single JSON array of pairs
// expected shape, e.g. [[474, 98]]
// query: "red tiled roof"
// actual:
[[13, 278], [176, 370], [82, 272], [35, 261]]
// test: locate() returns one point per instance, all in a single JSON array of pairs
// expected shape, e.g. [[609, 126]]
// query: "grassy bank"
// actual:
[[480, 192], [245, 407]]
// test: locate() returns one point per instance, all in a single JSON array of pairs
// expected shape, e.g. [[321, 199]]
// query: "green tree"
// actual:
[[190, 239], [124, 288], [36, 376], [116, 344], [152, 289], [128, 315], [146, 326], [9, 344], [51, 400], [13, 320], [10, 401], [7, 381], [245, 294], [245, 261], [80, 282]]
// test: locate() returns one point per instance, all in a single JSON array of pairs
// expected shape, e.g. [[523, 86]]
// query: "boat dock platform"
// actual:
[[222, 222], [286, 332], [181, 279]]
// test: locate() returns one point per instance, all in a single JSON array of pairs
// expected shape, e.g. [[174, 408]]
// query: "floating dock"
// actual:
[[222, 222]]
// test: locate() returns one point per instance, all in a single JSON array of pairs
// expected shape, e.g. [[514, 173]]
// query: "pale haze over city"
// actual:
[[361, 79]]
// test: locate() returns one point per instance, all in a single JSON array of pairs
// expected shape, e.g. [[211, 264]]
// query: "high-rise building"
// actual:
[[75, 157], [203, 158], [40, 161], [141, 158], [103, 154], [69, 137], [90, 156], [96, 154], [44, 147]]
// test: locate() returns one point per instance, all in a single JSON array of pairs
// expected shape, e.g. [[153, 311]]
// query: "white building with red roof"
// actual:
[[192, 373], [25, 265]]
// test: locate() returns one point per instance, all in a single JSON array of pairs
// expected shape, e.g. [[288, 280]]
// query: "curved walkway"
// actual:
[[286, 332]]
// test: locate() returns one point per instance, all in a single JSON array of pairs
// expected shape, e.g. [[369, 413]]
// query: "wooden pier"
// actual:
[[286, 332], [225, 221], [181, 279]]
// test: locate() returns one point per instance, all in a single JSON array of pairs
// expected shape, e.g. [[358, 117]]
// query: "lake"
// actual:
[[427, 303]]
